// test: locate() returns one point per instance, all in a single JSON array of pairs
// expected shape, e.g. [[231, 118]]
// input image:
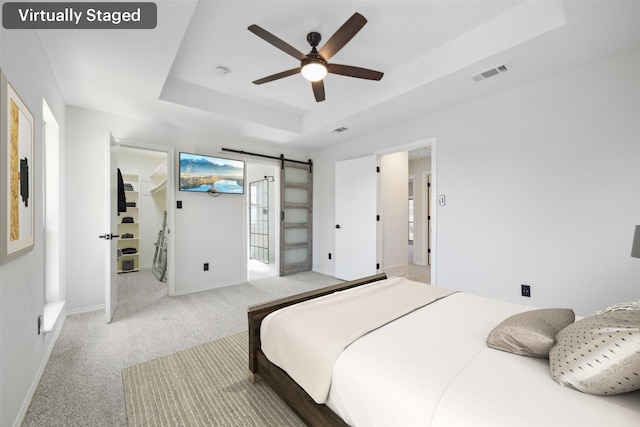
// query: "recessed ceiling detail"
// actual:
[[426, 49]]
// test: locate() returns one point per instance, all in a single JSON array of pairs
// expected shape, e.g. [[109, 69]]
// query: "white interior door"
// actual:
[[111, 212], [356, 196]]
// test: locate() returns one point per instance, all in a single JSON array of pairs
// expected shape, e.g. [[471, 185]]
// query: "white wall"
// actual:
[[542, 185], [208, 229], [23, 353]]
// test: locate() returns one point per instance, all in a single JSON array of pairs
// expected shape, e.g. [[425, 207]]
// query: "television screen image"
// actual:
[[207, 174]]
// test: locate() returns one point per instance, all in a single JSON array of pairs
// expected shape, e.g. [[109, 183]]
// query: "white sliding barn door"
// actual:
[[356, 199]]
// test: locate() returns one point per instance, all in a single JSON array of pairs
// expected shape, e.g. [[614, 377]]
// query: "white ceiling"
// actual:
[[428, 50]]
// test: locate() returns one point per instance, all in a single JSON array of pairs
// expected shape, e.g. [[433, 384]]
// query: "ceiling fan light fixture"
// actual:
[[315, 65], [314, 70]]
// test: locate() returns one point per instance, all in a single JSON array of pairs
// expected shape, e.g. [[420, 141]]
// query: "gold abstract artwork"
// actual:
[[16, 181], [14, 173]]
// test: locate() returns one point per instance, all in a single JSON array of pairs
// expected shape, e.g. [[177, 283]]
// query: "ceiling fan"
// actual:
[[315, 65]]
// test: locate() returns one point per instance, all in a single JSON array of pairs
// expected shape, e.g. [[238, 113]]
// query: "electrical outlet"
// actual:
[[206, 266], [526, 290]]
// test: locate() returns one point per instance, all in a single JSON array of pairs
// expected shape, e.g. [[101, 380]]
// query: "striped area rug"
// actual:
[[206, 385]]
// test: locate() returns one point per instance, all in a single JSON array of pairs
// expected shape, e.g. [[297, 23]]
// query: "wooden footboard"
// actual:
[[291, 393]]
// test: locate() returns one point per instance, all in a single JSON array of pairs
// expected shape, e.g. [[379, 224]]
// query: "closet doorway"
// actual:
[[144, 240]]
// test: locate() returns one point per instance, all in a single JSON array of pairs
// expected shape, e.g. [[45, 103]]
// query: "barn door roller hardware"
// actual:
[[281, 158]]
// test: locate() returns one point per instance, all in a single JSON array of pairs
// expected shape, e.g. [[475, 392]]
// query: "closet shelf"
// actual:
[[130, 262], [161, 186], [159, 177]]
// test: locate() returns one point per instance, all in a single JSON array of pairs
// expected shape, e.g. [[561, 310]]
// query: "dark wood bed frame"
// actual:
[[312, 413]]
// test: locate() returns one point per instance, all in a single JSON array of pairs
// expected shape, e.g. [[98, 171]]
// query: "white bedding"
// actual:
[[305, 339], [432, 368]]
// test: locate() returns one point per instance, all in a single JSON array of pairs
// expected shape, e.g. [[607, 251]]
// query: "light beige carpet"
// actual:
[[206, 385]]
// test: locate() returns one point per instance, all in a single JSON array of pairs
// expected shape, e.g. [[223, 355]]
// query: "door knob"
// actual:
[[108, 236]]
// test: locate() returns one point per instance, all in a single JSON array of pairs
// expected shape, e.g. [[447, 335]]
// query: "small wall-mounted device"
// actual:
[[442, 200], [179, 204]]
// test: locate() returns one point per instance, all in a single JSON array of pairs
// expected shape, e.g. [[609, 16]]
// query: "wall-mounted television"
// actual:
[[207, 174]]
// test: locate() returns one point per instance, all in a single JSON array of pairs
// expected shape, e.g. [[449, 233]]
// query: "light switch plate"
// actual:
[[441, 200]]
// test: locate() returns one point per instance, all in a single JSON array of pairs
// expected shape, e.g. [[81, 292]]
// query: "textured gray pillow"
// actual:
[[599, 354], [531, 333]]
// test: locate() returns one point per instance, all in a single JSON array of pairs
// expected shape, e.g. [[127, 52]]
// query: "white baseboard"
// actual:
[[208, 288], [397, 270], [51, 337], [86, 309]]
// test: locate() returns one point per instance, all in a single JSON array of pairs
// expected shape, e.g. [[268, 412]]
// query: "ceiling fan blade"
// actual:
[[280, 44], [341, 37], [318, 90], [277, 76], [349, 71]]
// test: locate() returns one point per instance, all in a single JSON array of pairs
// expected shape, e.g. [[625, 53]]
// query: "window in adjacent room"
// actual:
[[52, 292]]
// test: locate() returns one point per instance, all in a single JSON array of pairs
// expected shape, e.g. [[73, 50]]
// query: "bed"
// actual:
[[430, 366]]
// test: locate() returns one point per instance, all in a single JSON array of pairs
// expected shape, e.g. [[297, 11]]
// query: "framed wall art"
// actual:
[[16, 174]]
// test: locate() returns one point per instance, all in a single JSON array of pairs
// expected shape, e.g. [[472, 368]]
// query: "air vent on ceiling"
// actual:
[[340, 129], [491, 72]]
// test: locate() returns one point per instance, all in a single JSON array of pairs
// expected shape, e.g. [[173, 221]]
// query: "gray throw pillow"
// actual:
[[531, 333], [599, 354]]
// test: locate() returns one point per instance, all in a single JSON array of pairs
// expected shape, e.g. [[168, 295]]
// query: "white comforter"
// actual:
[[305, 339], [433, 368]]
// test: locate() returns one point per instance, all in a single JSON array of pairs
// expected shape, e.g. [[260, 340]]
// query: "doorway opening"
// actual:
[[144, 229], [145, 180], [418, 191], [259, 245], [419, 248], [263, 221]]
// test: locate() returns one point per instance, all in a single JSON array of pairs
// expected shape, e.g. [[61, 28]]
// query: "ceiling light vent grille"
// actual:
[[340, 129], [491, 72]]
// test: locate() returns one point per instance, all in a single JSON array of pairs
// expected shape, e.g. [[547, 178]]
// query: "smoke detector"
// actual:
[[222, 70], [500, 69]]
